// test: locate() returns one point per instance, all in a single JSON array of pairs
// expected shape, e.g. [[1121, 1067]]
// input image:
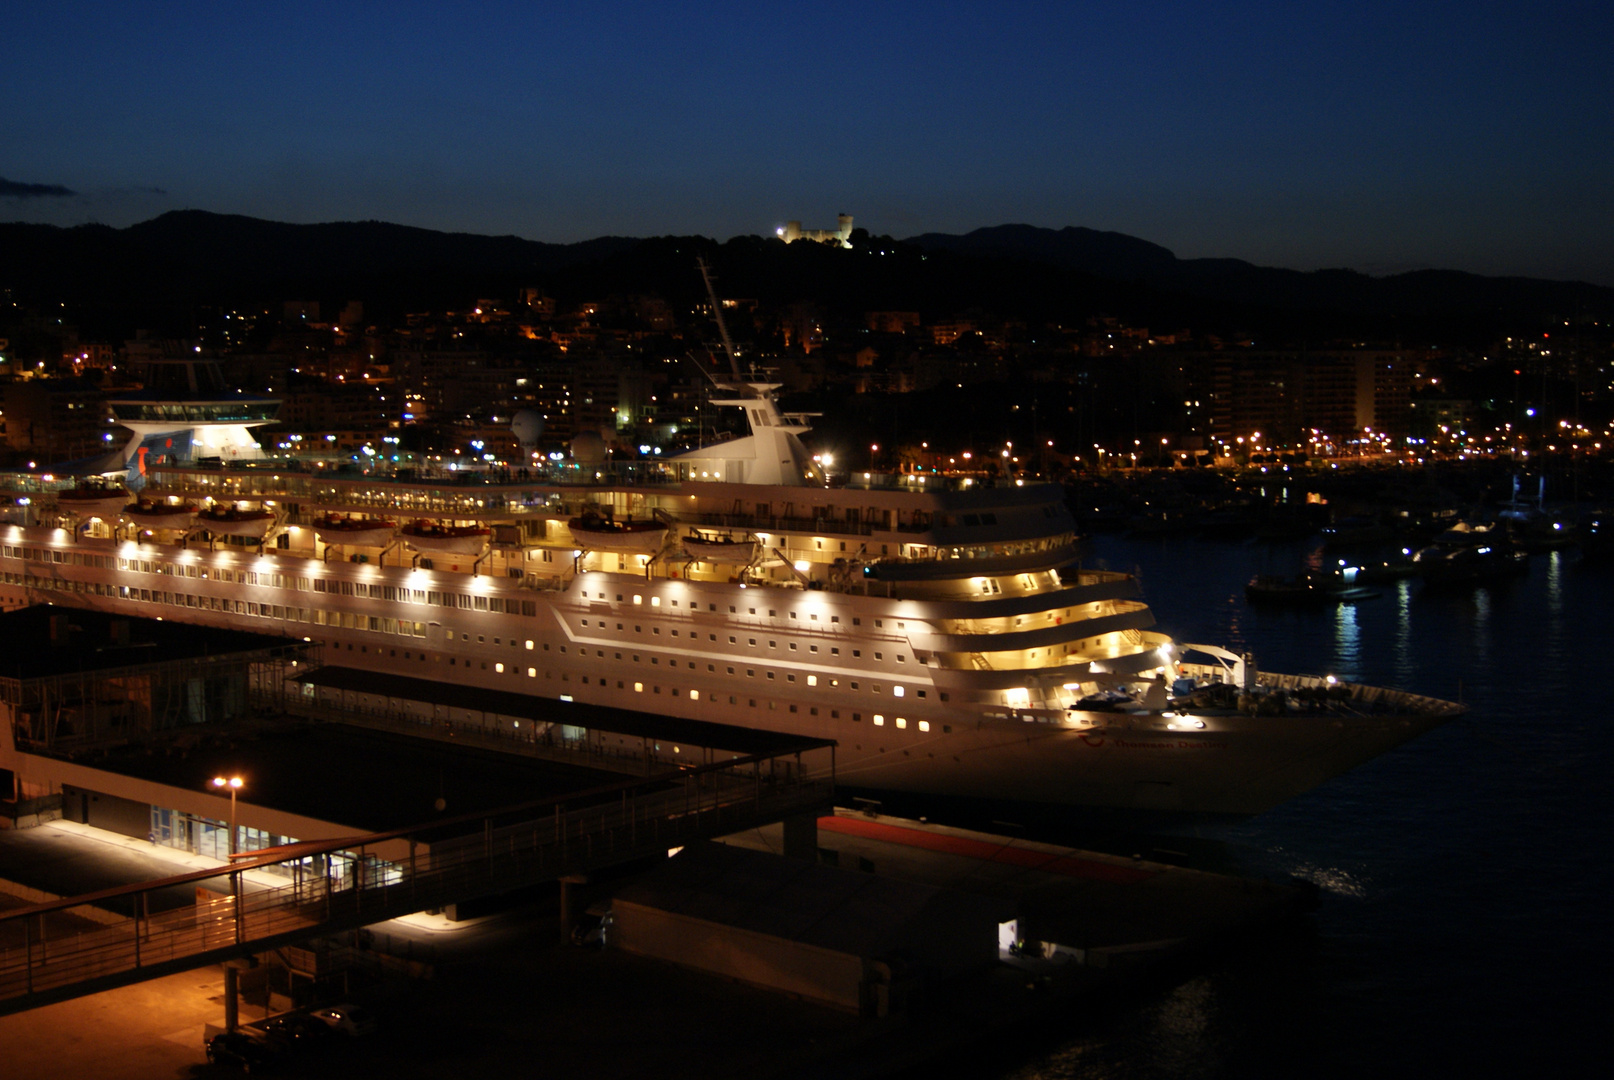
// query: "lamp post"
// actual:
[[234, 784]]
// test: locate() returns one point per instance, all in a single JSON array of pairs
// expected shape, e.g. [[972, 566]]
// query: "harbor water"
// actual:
[[1463, 927]]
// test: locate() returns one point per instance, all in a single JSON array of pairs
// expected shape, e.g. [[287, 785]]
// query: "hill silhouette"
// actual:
[[166, 268]]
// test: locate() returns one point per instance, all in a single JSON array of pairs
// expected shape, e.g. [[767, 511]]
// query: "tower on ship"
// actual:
[[187, 412]]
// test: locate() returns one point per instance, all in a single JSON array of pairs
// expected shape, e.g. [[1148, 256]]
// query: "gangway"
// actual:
[[337, 885]]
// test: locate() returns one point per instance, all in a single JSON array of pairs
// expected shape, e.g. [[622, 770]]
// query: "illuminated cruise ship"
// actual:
[[931, 625]]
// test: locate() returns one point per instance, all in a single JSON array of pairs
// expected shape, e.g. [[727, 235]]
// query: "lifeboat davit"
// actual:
[[426, 535], [721, 549], [354, 531], [159, 513], [232, 521], [596, 532], [93, 501]]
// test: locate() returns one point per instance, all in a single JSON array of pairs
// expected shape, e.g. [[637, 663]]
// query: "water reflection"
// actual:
[[1480, 616], [1553, 651], [1402, 663], [1347, 641]]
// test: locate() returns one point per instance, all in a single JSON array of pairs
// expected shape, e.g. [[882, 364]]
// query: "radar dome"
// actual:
[[588, 448], [527, 426]]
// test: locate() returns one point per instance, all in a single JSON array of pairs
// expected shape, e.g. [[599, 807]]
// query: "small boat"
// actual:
[[1470, 534], [722, 548], [428, 535], [1394, 568], [354, 531], [1596, 534], [1356, 530], [599, 532], [1311, 587], [158, 513], [1471, 564], [87, 501], [226, 520]]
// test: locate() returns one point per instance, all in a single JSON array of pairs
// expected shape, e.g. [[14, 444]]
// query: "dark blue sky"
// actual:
[[1377, 135]]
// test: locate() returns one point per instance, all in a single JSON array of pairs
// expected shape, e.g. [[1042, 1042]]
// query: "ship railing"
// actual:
[[415, 473]]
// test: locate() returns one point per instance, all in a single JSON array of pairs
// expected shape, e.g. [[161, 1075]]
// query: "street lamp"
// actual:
[[234, 784]]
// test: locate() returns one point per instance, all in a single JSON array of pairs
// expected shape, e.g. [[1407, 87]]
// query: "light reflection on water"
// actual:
[[1347, 641], [1405, 663], [1461, 854]]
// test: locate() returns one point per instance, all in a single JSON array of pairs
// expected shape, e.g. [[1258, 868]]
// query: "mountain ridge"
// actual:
[[184, 259]]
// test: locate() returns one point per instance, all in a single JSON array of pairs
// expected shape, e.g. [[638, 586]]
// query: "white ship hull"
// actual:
[[564, 644]]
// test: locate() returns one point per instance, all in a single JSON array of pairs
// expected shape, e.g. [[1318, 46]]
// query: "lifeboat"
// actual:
[[355, 531], [721, 549], [157, 512], [93, 501], [425, 535], [596, 532], [231, 521]]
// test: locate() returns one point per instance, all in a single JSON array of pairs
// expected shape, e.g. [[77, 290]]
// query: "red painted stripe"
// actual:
[[1068, 865]]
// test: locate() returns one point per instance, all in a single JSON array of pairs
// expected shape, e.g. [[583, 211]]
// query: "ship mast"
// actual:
[[717, 313]]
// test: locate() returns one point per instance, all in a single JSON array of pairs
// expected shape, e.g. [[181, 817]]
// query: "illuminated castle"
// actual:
[[842, 235]]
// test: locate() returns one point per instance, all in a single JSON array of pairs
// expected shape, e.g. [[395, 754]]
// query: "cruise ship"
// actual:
[[936, 627]]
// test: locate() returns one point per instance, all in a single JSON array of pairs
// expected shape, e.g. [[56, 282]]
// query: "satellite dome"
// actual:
[[588, 448], [527, 426]]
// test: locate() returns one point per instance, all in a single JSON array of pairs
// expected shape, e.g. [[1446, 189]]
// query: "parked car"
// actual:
[[240, 1049], [298, 1030], [348, 1019]]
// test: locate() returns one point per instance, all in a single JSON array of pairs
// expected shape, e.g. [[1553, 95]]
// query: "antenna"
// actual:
[[717, 313]]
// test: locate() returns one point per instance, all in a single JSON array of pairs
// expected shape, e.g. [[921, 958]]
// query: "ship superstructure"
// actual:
[[930, 624]]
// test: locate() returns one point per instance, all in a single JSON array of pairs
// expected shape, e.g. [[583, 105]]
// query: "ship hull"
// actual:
[[609, 640]]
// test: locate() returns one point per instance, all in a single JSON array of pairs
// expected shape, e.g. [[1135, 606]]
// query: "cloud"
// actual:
[[14, 190]]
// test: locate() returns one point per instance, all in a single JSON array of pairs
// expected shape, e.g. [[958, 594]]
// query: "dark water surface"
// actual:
[[1464, 925]]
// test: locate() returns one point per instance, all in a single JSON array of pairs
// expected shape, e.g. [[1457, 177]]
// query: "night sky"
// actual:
[[1383, 136]]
